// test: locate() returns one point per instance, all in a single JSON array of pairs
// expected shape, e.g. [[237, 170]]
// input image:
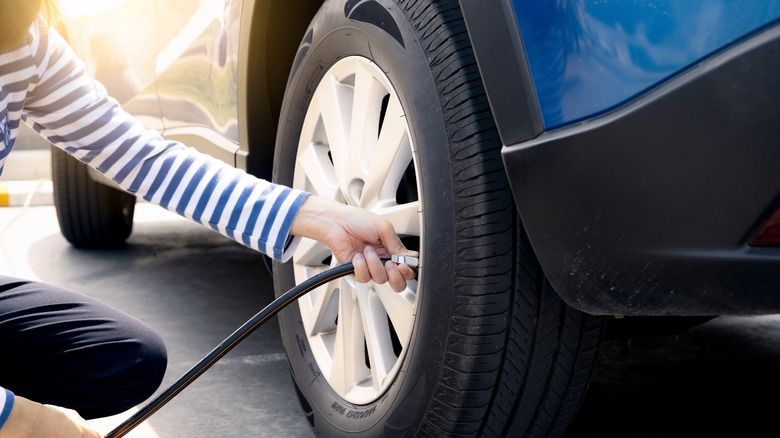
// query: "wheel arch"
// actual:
[[503, 68], [271, 31]]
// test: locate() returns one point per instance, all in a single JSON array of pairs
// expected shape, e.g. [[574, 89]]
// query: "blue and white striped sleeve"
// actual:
[[75, 113], [6, 404]]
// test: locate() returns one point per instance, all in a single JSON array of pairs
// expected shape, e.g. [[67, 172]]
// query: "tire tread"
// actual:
[[528, 362], [90, 214]]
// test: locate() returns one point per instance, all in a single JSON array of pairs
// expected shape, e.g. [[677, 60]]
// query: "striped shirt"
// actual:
[[45, 85], [6, 404]]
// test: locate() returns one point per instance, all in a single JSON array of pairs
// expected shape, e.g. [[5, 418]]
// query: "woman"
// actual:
[[60, 348]]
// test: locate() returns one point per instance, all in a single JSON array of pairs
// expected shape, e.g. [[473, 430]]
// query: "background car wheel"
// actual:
[[385, 110], [90, 214]]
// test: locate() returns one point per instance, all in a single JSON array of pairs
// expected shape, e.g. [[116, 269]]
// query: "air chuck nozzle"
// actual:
[[411, 261]]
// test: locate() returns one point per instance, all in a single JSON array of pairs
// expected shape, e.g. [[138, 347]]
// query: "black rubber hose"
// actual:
[[231, 341]]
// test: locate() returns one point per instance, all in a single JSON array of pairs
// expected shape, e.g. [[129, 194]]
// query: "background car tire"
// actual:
[[493, 351], [90, 214]]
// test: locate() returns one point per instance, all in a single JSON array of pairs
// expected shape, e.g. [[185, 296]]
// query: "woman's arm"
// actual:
[[75, 113]]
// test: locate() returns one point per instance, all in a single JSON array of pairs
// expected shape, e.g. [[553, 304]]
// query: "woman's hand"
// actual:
[[31, 419], [358, 235]]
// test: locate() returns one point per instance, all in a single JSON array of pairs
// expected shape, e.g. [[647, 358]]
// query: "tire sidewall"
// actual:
[[332, 37]]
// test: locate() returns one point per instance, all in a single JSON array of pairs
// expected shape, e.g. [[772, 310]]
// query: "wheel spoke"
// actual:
[[334, 103], [390, 158], [366, 108], [348, 366], [350, 157], [404, 217], [399, 307], [316, 166], [377, 334], [310, 253], [322, 309]]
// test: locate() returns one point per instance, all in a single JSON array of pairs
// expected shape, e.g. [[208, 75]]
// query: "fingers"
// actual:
[[362, 274], [396, 277], [407, 272], [390, 239], [375, 266], [369, 267]]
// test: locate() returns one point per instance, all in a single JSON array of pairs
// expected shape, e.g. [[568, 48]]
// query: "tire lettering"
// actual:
[[357, 415], [338, 408], [314, 371], [311, 86], [361, 414], [301, 345]]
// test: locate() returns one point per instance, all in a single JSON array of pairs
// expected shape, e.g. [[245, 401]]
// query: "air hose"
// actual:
[[236, 337]]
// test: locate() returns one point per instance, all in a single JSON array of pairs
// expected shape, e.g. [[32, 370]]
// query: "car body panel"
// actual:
[[647, 209], [197, 73], [645, 206], [588, 56], [117, 40], [171, 63]]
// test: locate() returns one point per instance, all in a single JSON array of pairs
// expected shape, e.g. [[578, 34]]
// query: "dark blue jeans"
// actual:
[[63, 348]]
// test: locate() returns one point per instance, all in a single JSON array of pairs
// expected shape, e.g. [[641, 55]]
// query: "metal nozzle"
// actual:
[[411, 261]]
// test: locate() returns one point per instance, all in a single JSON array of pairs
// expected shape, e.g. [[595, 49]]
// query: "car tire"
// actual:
[[491, 350], [90, 214]]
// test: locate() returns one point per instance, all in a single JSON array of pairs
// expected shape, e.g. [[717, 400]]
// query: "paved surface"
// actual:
[[719, 379]]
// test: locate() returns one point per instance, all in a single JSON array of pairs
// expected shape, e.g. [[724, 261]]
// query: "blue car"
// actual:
[[569, 170]]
